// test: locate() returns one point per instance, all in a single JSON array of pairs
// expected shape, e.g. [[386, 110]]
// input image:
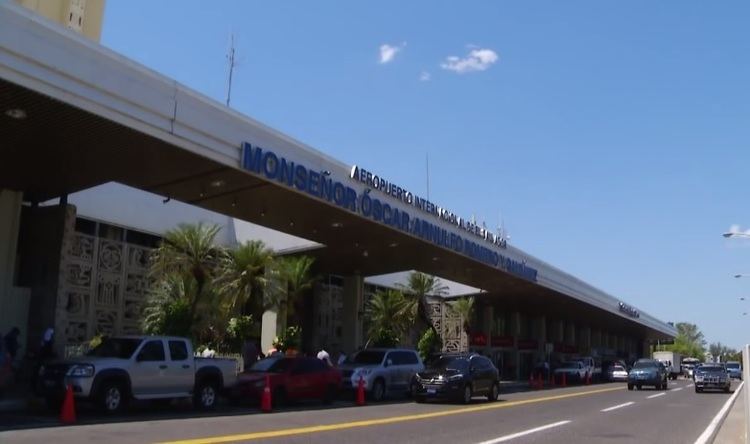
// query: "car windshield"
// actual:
[[733, 365], [450, 364], [711, 369], [617, 368], [122, 348], [645, 364], [368, 357], [570, 364], [271, 365]]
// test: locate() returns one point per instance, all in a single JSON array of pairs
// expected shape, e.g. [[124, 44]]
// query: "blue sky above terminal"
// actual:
[[611, 139]]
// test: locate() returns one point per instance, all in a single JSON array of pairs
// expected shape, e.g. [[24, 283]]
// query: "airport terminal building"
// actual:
[[100, 156]]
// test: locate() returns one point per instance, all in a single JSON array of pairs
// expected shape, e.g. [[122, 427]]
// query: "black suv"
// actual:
[[458, 377]]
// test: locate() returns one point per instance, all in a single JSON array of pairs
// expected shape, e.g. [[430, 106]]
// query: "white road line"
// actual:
[[656, 395], [676, 390], [619, 406], [524, 433], [710, 433], [691, 385]]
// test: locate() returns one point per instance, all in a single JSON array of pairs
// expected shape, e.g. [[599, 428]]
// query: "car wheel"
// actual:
[[494, 393], [330, 395], [111, 397], [726, 389], [630, 386], [205, 395], [419, 399], [378, 390], [412, 390], [467, 394]]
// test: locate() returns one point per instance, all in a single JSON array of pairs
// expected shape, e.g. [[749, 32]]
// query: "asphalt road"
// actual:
[[584, 414]]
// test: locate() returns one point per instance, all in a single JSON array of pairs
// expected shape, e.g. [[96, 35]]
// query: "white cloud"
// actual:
[[735, 229], [425, 76], [477, 60], [388, 52]]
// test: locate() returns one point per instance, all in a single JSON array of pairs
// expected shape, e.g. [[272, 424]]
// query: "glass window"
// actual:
[[272, 365], [152, 351], [178, 350], [122, 348], [368, 357]]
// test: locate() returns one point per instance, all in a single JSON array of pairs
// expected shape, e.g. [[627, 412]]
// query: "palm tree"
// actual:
[[464, 307], [295, 275], [418, 287], [189, 250], [385, 312], [243, 276]]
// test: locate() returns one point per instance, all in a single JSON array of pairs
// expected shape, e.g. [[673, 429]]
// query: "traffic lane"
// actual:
[[164, 430], [678, 415]]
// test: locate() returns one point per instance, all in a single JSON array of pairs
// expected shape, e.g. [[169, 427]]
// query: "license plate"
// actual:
[[431, 391]]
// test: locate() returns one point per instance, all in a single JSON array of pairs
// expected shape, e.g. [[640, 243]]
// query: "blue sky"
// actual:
[[613, 137]]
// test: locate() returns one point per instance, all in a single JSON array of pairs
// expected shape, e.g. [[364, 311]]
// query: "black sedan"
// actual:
[[711, 377], [458, 377]]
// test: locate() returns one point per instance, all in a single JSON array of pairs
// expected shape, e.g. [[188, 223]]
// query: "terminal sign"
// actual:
[[628, 310]]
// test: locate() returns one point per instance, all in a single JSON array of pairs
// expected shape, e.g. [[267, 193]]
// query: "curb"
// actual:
[[712, 430]]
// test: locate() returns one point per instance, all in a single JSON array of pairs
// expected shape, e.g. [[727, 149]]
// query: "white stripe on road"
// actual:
[[676, 390], [524, 433], [691, 385], [656, 395], [619, 406], [710, 433]]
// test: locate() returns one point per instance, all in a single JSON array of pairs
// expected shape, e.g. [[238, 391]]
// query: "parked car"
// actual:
[[458, 377], [590, 367], [382, 370], [712, 377], [617, 373], [648, 372], [290, 379], [139, 367], [573, 370], [734, 369]]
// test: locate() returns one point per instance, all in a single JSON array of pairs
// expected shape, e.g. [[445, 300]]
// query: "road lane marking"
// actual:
[[618, 406], [691, 385], [656, 395], [524, 433], [381, 421], [676, 390], [710, 433]]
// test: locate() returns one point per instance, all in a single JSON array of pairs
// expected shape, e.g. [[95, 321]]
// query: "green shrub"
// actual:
[[429, 344], [385, 337]]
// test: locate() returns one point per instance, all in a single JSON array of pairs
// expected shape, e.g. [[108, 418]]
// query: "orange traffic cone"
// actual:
[[68, 412], [265, 401], [564, 380], [361, 391]]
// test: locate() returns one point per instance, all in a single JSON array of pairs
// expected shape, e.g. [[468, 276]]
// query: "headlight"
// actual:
[[84, 371]]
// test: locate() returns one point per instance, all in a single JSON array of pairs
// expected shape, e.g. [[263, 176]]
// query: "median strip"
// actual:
[[618, 406], [381, 421], [524, 433]]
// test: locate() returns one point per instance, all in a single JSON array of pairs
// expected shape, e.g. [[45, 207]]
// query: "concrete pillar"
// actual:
[[585, 340], [570, 333], [488, 324], [273, 321], [558, 331], [540, 335], [268, 329], [354, 287]]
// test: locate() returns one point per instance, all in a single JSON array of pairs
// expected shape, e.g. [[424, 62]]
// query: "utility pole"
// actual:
[[230, 57], [427, 166]]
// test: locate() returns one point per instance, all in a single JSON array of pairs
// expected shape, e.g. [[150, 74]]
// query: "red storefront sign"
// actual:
[[527, 344], [502, 341], [478, 338]]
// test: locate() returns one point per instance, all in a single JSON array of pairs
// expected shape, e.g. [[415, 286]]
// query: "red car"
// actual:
[[291, 379]]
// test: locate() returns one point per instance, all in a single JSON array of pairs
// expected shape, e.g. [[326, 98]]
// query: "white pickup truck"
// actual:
[[138, 367]]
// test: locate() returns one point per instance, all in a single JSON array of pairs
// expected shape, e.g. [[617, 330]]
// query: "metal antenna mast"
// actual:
[[230, 56], [427, 166]]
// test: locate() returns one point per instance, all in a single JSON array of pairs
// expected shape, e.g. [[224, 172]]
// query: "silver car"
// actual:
[[382, 371]]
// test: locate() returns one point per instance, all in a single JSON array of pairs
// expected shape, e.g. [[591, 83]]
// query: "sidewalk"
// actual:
[[732, 431]]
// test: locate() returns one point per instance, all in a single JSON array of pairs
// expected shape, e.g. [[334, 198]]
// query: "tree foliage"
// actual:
[[384, 312], [428, 344], [418, 287], [464, 307], [689, 341]]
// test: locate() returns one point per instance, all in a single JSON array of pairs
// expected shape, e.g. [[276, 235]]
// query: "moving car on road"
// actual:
[[290, 379], [712, 377], [647, 372], [617, 373], [382, 370], [734, 369], [139, 367], [458, 377]]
